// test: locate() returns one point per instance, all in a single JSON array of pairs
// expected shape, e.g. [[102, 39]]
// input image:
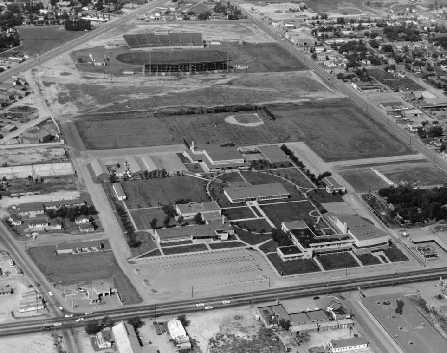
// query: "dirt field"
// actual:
[[423, 174], [149, 193], [37, 154], [70, 269], [231, 271], [31, 343], [329, 129], [363, 180]]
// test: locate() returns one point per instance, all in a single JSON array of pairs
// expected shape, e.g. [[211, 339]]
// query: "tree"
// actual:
[[93, 327], [284, 324], [166, 221], [204, 16], [153, 223], [184, 320], [136, 322], [198, 218]]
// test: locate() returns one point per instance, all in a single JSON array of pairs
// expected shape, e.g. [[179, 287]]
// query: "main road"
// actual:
[[70, 45], [248, 298]]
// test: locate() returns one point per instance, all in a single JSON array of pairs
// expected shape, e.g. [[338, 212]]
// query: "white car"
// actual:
[[50, 293], [209, 307], [68, 315], [199, 305], [80, 319], [226, 302]]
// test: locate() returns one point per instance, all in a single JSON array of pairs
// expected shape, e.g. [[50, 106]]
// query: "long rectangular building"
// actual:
[[258, 192]]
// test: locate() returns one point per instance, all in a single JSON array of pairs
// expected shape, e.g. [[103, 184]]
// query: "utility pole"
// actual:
[[192, 291]]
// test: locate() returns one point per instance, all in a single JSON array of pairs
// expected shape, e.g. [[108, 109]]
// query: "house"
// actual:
[[36, 224], [104, 338], [347, 344], [119, 192], [258, 192], [178, 334], [271, 315], [189, 210], [30, 210], [86, 227], [363, 231], [125, 337], [82, 220], [214, 230], [332, 186]]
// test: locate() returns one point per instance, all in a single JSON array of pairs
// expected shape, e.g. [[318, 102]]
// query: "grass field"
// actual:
[[363, 180], [257, 226], [368, 259], [226, 245], [335, 130], [39, 39], [146, 243], [251, 238], [71, 269], [294, 175], [148, 193], [293, 267], [288, 211], [395, 254], [422, 174], [182, 249], [238, 213], [143, 217], [337, 260]]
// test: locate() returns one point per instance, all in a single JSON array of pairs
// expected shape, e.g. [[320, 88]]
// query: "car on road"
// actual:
[[80, 319], [68, 315], [57, 324], [226, 302], [200, 305], [50, 293], [209, 307]]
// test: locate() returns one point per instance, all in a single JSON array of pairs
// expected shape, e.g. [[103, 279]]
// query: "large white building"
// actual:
[[126, 340], [178, 334]]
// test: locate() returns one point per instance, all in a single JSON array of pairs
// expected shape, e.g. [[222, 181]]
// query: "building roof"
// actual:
[[125, 341], [273, 153], [118, 189], [300, 224], [177, 331], [348, 342], [309, 317], [220, 153], [330, 181], [198, 207], [361, 228], [195, 230], [84, 244], [254, 191]]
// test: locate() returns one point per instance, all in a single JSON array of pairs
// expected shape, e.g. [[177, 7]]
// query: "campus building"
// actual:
[[347, 345], [208, 210], [260, 192], [216, 158], [214, 230], [363, 231], [333, 186]]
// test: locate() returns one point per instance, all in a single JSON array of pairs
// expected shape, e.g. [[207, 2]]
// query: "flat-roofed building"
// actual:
[[347, 344], [259, 192], [332, 185], [215, 157], [316, 320], [363, 231], [189, 210], [272, 314], [119, 191], [178, 334], [215, 230], [125, 337]]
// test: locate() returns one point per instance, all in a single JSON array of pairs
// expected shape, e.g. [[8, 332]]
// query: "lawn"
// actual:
[[251, 238], [337, 260], [182, 249], [288, 211], [143, 217], [226, 244], [146, 243], [257, 226], [395, 254], [163, 191], [336, 130], [238, 213], [269, 247], [294, 175], [363, 180], [368, 259], [293, 267], [422, 174], [40, 39], [71, 269]]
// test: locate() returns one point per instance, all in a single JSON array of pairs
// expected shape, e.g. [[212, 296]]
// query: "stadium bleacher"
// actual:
[[151, 39]]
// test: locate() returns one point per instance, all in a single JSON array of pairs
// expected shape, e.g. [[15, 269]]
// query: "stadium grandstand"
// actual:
[[170, 39], [177, 60]]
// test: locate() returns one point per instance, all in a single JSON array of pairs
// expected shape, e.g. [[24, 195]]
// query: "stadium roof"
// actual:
[[152, 39], [256, 191], [173, 56]]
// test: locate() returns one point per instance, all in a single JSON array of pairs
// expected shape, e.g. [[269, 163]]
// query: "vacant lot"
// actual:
[[163, 191], [363, 180], [71, 269], [293, 267], [37, 40], [335, 130], [337, 260], [288, 211]]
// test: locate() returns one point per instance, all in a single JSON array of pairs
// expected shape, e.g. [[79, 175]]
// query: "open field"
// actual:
[[293, 267], [337, 260], [217, 272], [39, 39], [335, 130], [422, 174], [226, 245], [162, 191], [71, 269], [363, 180], [288, 211]]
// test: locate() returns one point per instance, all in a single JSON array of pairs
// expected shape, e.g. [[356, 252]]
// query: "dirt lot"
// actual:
[[148, 193], [329, 129], [37, 154], [70, 269], [31, 343]]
